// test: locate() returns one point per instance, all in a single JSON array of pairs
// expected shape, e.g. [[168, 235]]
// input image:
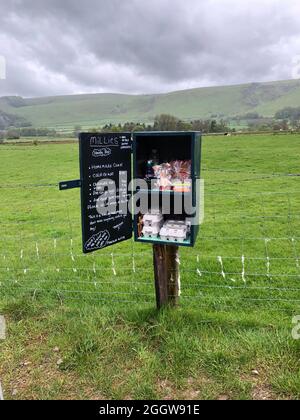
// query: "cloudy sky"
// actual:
[[54, 47]]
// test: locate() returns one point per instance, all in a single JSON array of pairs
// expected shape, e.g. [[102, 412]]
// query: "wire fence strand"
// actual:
[[247, 254]]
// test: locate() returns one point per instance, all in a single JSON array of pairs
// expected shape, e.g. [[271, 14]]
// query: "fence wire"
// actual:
[[247, 255]]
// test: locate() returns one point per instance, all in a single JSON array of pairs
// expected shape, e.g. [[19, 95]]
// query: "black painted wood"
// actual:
[[105, 161]]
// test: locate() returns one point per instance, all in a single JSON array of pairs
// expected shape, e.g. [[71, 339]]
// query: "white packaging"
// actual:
[[151, 231], [155, 220], [171, 233], [176, 224]]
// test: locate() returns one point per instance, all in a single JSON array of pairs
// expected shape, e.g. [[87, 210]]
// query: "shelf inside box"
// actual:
[[166, 192], [159, 240]]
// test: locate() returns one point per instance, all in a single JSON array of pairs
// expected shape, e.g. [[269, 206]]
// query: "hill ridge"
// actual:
[[95, 109]]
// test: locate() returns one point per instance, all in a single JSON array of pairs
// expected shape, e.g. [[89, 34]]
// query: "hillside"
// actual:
[[12, 120], [98, 109]]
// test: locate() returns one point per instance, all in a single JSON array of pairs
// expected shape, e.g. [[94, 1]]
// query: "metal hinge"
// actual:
[[69, 185]]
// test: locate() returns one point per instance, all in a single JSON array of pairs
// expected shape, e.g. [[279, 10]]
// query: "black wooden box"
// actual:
[[168, 150]]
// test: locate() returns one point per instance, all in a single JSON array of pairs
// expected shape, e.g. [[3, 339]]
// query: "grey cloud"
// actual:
[[58, 47]]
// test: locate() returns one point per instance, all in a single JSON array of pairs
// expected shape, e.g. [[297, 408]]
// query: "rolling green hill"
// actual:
[[202, 103]]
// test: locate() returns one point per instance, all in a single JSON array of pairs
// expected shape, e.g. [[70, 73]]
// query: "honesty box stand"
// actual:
[[112, 156], [167, 277]]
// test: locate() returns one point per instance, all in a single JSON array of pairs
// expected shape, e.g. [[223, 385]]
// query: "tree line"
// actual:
[[15, 133], [166, 122], [285, 119]]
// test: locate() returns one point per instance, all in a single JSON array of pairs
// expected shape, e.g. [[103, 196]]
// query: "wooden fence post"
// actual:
[[166, 271]]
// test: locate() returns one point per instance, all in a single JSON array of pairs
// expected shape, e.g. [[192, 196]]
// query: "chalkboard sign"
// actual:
[[105, 167]]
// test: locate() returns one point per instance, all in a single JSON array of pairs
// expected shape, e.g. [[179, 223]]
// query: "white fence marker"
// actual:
[[113, 265], [222, 268], [2, 328], [243, 272], [198, 269]]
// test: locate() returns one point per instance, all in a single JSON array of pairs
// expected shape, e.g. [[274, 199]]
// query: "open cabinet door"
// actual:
[[105, 171]]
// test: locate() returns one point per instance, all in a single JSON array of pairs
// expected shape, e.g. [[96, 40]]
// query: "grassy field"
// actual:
[[86, 326], [65, 112]]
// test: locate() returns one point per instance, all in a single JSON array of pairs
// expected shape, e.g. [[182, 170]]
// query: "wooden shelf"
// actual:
[[163, 192], [187, 242]]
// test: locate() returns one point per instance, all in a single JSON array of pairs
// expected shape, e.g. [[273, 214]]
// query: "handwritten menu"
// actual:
[[105, 166]]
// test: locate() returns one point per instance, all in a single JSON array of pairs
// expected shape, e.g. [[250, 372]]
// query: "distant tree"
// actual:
[[129, 126], [250, 116], [165, 122], [139, 127], [13, 134], [213, 126], [28, 132], [288, 113], [295, 124], [183, 126], [77, 130], [45, 132], [281, 126]]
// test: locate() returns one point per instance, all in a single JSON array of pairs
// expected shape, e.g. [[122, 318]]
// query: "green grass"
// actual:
[[104, 329], [38, 139], [65, 112]]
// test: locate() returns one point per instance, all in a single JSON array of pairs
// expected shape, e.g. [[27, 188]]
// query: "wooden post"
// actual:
[[166, 271]]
